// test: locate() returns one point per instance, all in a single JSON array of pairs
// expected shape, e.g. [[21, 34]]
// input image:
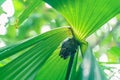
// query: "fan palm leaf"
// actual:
[[86, 16]]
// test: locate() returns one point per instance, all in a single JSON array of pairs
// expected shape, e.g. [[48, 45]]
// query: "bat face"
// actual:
[[68, 48]]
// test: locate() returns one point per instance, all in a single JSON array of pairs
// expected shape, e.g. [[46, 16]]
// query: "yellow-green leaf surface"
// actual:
[[55, 68], [26, 65], [1, 11], [115, 51], [86, 16]]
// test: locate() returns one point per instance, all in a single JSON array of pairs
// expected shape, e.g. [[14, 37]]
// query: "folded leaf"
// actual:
[[11, 50], [41, 48], [86, 16], [73, 74]]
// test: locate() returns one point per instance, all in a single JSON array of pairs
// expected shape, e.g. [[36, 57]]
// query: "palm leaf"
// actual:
[[89, 68], [86, 16], [24, 15], [11, 50], [55, 68], [72, 74], [26, 66]]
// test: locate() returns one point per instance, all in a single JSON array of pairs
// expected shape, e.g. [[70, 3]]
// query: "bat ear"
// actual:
[[62, 50]]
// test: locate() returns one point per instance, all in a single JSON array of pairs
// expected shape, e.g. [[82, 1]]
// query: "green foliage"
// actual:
[[1, 10], [89, 68], [115, 51], [55, 68], [39, 56], [1, 2], [40, 49], [10, 50], [34, 4], [86, 16]]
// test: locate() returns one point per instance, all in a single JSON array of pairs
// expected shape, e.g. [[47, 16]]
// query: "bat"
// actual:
[[68, 48]]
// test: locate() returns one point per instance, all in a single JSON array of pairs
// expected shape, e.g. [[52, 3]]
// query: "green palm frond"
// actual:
[[41, 48], [55, 68], [86, 16], [40, 58], [11, 50]]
